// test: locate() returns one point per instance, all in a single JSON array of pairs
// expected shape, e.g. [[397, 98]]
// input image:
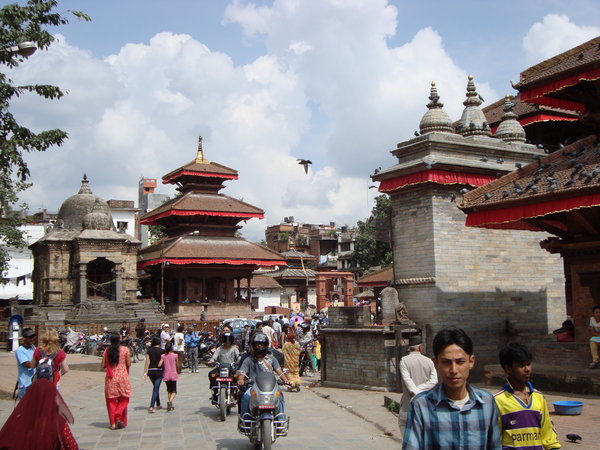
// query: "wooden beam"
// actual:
[[542, 224], [582, 221]]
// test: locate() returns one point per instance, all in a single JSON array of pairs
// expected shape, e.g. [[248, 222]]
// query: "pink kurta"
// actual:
[[119, 385]]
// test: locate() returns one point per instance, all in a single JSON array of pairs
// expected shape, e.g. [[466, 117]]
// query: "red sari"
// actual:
[[40, 421]]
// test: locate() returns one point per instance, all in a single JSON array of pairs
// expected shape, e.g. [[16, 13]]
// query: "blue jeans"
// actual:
[[22, 390], [245, 403], [155, 380]]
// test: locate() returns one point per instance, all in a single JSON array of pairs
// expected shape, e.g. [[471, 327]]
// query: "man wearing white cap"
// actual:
[[165, 335], [418, 375]]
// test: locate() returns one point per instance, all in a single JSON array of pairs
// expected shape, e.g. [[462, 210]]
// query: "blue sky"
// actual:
[[266, 82]]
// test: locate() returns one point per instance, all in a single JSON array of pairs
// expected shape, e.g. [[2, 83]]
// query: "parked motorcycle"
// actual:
[[264, 423], [225, 390]]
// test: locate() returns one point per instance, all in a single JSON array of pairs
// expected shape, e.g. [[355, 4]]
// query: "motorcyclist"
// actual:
[[306, 341], [227, 353], [258, 362]]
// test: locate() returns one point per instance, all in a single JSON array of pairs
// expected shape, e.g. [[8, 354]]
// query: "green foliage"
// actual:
[[156, 233], [370, 248], [22, 24]]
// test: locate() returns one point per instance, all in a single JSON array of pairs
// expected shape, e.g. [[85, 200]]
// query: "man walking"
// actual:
[[418, 375], [191, 346], [453, 414], [524, 417], [24, 354]]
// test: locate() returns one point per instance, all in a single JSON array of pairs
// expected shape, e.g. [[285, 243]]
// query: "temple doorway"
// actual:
[[101, 279]]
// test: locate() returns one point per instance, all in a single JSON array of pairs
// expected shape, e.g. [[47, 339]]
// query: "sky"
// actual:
[[339, 82]]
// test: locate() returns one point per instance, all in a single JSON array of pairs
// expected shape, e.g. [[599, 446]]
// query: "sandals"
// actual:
[[112, 426], [170, 406], [150, 410], [120, 425]]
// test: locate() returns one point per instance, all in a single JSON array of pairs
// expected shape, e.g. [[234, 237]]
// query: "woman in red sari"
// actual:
[[40, 421], [117, 388]]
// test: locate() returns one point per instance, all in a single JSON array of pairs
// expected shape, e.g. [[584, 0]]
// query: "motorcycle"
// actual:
[[263, 423], [225, 390], [306, 364]]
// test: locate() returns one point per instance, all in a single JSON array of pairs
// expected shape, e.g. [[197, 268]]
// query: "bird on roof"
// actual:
[[505, 194], [484, 159], [305, 163], [573, 437], [453, 197], [487, 195], [500, 160], [463, 191], [376, 171], [518, 165], [480, 98], [537, 157], [417, 134]]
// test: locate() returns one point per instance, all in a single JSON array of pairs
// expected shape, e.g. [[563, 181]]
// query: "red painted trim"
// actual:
[[541, 118], [176, 212], [199, 174], [235, 262], [511, 218], [539, 94], [435, 176]]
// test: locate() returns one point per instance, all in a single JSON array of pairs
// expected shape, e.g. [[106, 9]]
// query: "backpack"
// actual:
[[45, 367]]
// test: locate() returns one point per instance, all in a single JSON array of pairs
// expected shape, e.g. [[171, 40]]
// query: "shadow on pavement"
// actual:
[[233, 444], [213, 413], [99, 425]]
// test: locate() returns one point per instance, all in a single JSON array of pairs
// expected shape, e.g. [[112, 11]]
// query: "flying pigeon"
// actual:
[[573, 437], [305, 163]]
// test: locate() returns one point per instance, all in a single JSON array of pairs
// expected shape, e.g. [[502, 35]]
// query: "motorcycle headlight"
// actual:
[[266, 399]]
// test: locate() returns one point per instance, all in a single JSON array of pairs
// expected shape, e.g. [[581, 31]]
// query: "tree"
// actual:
[[371, 247], [21, 24]]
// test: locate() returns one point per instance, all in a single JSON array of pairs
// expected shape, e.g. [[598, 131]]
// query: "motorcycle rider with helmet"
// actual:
[[227, 353], [306, 340], [258, 362]]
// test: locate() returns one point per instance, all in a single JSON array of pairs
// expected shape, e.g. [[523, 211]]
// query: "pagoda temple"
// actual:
[[201, 260]]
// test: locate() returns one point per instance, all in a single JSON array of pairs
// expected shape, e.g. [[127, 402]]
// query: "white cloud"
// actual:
[[555, 34], [329, 88]]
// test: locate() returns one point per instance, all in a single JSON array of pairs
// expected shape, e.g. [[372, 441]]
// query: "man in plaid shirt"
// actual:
[[453, 414]]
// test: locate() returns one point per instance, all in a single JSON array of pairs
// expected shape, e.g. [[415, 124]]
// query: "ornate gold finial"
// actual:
[[470, 77], [200, 155]]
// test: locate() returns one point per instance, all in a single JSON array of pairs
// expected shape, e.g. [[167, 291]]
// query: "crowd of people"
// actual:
[[437, 399]]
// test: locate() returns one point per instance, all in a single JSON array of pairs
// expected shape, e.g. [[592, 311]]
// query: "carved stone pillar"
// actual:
[[118, 282], [82, 282]]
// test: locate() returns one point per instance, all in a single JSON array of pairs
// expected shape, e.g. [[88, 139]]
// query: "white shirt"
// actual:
[[164, 338], [178, 342]]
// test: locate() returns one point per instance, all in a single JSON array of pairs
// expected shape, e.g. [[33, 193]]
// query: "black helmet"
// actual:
[[260, 338], [228, 338]]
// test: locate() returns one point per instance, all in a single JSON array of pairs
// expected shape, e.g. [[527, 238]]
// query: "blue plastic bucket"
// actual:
[[568, 407]]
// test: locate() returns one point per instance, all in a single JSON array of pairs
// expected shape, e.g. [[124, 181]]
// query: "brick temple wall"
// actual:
[[496, 284], [359, 357]]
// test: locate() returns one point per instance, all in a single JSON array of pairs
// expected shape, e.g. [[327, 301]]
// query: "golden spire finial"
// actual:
[[200, 155]]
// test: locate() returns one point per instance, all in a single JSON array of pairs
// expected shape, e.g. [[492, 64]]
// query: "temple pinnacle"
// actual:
[[435, 119], [85, 186]]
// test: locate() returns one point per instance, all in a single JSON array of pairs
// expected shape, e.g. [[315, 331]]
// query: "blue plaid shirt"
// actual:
[[434, 422]]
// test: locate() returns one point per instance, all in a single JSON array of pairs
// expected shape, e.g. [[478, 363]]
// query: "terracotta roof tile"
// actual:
[[192, 246], [192, 201], [260, 282], [575, 59], [204, 167], [381, 276], [574, 170], [494, 112]]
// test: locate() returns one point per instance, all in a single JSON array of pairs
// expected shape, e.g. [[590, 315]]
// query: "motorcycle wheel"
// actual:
[[223, 403], [266, 429], [139, 353]]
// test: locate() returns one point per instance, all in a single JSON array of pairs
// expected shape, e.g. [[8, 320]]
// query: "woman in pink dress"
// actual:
[[117, 388], [170, 363]]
